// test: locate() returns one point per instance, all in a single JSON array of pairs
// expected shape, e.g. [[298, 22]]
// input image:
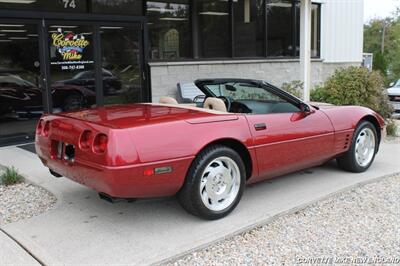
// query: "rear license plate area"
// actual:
[[63, 151]]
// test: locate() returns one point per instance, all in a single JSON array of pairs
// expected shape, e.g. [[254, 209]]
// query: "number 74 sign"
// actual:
[[69, 4]]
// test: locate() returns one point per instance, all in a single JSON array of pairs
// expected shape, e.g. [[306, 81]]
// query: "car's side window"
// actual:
[[252, 99]]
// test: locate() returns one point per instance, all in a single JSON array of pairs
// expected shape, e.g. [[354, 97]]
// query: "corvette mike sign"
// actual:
[[70, 50]]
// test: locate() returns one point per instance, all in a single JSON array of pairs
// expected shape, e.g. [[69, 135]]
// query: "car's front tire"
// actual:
[[214, 183], [363, 149]]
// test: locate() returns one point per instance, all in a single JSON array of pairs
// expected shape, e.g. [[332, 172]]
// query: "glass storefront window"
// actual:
[[315, 30], [46, 5], [214, 28], [249, 21], [121, 7], [279, 28], [120, 53], [169, 29], [20, 88], [72, 76]]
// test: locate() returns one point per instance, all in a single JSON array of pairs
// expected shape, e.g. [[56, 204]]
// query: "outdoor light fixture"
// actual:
[[64, 26], [18, 38], [280, 4], [13, 31], [11, 25], [111, 28], [18, 1], [161, 10], [174, 19], [212, 13]]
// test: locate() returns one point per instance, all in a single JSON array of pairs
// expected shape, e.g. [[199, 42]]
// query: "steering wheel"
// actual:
[[199, 100], [227, 102]]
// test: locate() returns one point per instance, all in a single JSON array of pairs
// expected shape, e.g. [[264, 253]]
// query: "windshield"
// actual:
[[397, 83], [242, 91]]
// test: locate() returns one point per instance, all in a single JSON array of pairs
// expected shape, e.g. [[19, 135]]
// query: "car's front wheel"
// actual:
[[214, 183], [363, 149]]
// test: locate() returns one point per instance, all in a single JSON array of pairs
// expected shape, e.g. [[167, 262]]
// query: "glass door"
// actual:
[[71, 62], [20, 80], [121, 63], [91, 63]]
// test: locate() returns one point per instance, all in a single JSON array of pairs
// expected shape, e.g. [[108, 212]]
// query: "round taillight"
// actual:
[[100, 143], [46, 128], [39, 127], [85, 141]]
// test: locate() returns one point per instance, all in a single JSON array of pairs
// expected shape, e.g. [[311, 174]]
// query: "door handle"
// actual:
[[260, 126]]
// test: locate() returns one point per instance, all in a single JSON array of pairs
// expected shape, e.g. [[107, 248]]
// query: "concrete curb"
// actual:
[[276, 216], [25, 249]]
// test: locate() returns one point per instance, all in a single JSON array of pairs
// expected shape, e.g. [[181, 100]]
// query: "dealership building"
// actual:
[[59, 55]]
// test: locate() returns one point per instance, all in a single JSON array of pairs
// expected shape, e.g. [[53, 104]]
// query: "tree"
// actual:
[[382, 38]]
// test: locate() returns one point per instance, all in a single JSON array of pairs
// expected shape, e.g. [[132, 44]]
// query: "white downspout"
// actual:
[[305, 47]]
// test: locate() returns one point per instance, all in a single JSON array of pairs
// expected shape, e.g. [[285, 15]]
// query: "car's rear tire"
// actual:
[[363, 148], [214, 183]]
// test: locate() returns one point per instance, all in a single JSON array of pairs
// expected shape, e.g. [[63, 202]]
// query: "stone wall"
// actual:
[[165, 76]]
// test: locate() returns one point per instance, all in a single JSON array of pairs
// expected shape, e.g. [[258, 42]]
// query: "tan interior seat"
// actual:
[[215, 104], [167, 100]]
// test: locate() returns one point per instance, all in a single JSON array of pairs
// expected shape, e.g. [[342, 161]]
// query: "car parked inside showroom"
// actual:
[[22, 99], [246, 131]]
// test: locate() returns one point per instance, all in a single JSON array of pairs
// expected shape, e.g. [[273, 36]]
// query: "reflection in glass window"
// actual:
[[120, 53], [169, 28], [249, 27], [213, 25], [315, 30], [279, 28], [20, 88], [71, 61], [122, 7]]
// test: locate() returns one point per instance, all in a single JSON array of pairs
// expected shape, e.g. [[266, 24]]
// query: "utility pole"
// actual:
[[383, 37]]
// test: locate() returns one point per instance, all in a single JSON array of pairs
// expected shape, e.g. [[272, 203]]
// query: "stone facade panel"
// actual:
[[164, 78]]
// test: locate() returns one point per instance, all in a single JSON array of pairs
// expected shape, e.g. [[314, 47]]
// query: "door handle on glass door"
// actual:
[[260, 126]]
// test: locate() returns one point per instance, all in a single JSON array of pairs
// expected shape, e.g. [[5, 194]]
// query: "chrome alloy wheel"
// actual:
[[220, 183], [365, 147]]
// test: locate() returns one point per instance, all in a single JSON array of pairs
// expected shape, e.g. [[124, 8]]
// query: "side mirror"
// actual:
[[391, 84], [306, 109]]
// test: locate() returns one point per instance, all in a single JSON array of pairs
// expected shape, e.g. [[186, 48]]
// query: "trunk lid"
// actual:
[[129, 115]]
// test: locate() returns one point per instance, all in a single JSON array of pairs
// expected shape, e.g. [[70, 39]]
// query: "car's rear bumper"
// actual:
[[396, 106], [124, 181]]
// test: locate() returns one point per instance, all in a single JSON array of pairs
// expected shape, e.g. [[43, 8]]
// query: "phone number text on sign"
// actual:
[[73, 67]]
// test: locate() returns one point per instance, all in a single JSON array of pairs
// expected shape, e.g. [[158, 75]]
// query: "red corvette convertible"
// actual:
[[244, 131]]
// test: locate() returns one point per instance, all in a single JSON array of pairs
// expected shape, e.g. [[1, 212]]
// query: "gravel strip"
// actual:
[[23, 201], [359, 224]]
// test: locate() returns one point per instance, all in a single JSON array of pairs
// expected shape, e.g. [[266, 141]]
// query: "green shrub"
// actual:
[[11, 177], [391, 128], [294, 87], [355, 86]]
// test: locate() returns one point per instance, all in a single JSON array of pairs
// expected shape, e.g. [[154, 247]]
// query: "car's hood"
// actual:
[[393, 91], [132, 115]]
